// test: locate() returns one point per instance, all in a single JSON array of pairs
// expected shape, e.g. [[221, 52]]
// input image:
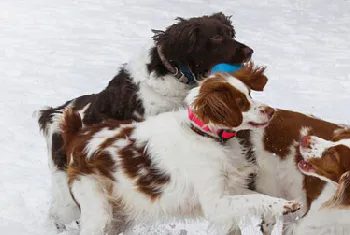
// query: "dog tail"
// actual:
[[70, 125]]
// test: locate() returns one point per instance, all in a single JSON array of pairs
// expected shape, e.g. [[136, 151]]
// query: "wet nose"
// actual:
[[247, 51], [268, 111]]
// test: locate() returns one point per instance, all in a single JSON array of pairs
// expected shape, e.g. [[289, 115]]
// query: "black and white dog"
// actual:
[[155, 81]]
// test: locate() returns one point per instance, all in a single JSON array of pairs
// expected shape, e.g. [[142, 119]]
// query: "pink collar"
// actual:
[[222, 134]]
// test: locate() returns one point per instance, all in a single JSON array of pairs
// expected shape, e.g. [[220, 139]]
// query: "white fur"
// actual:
[[63, 209], [278, 178], [318, 145], [206, 180], [329, 189], [282, 178], [325, 222], [97, 140], [157, 94], [328, 221], [96, 211], [197, 166]]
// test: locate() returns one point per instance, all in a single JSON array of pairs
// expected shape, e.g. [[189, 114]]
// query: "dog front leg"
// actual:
[[226, 212]]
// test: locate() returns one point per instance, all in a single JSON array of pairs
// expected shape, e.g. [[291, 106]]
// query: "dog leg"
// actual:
[[96, 209], [250, 225], [63, 208], [227, 211]]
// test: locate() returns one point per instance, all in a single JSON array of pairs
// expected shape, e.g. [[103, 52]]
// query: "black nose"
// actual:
[[247, 51]]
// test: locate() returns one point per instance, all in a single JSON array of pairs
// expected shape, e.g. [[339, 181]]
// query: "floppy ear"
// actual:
[[216, 103], [178, 39], [252, 76]]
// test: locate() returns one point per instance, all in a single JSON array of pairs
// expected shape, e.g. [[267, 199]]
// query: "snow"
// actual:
[[51, 51]]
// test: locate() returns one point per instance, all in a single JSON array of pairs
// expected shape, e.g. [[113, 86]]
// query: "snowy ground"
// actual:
[[52, 50]]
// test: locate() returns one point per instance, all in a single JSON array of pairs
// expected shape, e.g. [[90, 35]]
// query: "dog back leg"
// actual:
[[96, 208]]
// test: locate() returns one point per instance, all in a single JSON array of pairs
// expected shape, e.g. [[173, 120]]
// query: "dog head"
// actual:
[[223, 100], [327, 160], [202, 42]]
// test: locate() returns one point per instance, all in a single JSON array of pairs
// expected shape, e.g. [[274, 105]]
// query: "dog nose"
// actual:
[[304, 142], [247, 51], [268, 111]]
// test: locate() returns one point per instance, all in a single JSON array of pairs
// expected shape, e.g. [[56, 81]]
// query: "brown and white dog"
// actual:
[[328, 161], [275, 152], [154, 81], [175, 164]]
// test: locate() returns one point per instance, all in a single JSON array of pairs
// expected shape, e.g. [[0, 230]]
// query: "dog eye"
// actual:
[[331, 154], [216, 39], [240, 102]]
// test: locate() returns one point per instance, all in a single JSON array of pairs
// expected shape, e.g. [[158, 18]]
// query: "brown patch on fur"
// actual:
[[341, 198], [76, 139], [252, 76], [220, 103], [341, 134], [71, 125], [101, 163], [284, 128], [137, 164], [124, 132]]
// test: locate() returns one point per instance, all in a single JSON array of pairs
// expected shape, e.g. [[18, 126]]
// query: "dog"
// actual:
[[274, 150], [329, 161], [175, 164], [155, 81]]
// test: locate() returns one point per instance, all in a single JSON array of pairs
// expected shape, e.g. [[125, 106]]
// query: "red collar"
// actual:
[[223, 135]]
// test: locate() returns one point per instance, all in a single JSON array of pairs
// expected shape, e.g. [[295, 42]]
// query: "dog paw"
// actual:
[[60, 227], [278, 207], [290, 207]]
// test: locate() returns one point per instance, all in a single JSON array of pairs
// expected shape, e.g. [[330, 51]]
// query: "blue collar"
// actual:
[[182, 72], [185, 75], [227, 68]]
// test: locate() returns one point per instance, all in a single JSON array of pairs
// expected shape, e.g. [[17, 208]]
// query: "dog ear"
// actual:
[[225, 20], [252, 76], [178, 40], [216, 103]]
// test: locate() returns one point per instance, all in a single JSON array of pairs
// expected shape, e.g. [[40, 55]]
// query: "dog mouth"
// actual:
[[247, 59], [254, 124], [306, 166]]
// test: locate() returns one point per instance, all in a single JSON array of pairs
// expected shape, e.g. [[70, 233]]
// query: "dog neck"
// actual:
[[183, 72], [222, 135]]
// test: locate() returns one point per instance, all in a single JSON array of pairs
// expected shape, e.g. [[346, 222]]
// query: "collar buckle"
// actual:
[[180, 76]]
